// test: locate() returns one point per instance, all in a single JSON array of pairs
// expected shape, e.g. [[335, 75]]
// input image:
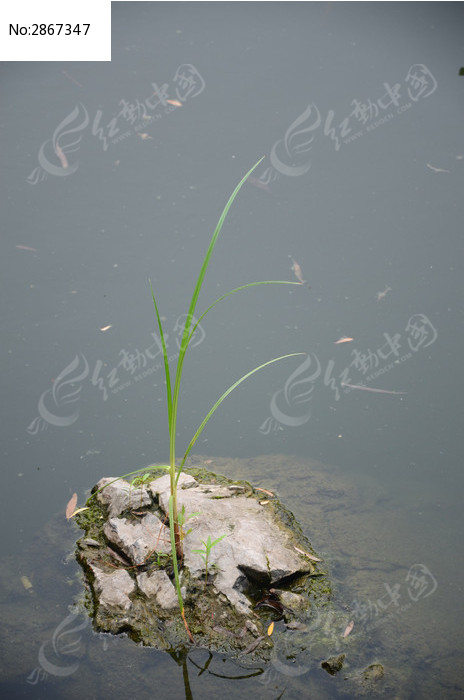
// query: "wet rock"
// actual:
[[113, 589], [256, 553], [334, 664], [157, 586], [374, 672], [294, 601]]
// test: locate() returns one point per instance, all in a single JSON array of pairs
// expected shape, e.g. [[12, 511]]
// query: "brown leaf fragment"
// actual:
[[254, 645], [269, 493], [310, 556], [70, 508], [348, 629]]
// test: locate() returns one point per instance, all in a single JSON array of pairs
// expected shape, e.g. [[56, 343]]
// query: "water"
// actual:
[[361, 185]]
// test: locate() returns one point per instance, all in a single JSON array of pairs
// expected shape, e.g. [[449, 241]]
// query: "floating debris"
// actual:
[[26, 583], [297, 272], [72, 503], [176, 103], [343, 339], [381, 295], [368, 388], [437, 170], [106, 328], [26, 247]]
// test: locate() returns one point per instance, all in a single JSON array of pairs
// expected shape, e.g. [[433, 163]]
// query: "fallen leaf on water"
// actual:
[[348, 629], [26, 583], [436, 170], [176, 103], [297, 272], [344, 339], [71, 506], [310, 556], [106, 328], [79, 510], [270, 629], [26, 247]]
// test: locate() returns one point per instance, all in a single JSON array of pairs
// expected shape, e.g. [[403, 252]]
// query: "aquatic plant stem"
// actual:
[[176, 568]]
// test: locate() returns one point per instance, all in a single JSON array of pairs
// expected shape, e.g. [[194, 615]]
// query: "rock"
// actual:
[[113, 589], [374, 672], [334, 664], [256, 548], [121, 496], [157, 585], [137, 540], [256, 553], [294, 601], [163, 483]]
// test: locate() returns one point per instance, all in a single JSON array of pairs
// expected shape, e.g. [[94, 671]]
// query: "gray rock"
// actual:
[[113, 589], [294, 601], [121, 496], [138, 540], [162, 485], [256, 547], [257, 552], [158, 586]]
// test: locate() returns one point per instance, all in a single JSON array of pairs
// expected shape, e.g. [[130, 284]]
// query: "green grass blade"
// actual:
[[225, 395], [165, 357], [209, 252], [191, 311], [232, 291]]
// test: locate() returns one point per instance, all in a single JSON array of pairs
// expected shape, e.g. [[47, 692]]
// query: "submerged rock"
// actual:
[[130, 573], [334, 664]]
